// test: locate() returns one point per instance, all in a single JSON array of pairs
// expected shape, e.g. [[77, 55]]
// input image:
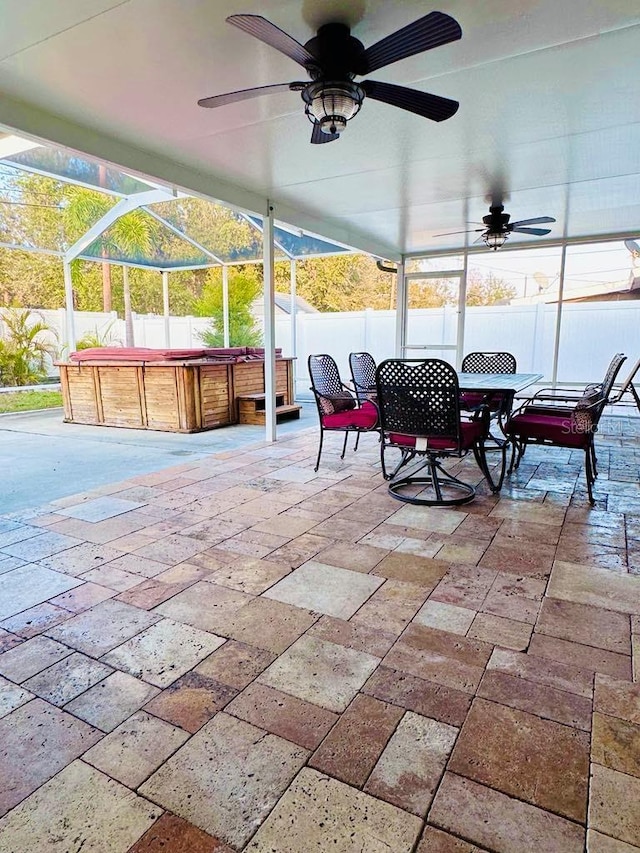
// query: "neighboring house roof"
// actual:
[[283, 305], [283, 301]]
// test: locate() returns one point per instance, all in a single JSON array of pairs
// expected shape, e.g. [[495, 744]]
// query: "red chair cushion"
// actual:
[[558, 429], [363, 418], [470, 432], [473, 399]]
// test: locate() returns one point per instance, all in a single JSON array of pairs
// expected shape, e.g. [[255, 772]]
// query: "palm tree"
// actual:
[[131, 234]]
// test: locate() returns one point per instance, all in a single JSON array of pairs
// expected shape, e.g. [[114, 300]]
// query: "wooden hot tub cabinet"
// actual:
[[172, 396]]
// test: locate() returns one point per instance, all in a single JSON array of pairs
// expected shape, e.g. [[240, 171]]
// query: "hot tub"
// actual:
[[168, 390]]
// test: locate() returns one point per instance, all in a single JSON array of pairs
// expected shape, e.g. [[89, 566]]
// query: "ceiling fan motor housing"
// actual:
[[333, 98], [496, 220], [339, 55]]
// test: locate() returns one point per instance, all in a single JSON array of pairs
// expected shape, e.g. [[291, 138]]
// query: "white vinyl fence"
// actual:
[[591, 333]]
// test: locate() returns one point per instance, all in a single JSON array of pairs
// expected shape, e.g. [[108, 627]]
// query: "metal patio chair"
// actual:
[[500, 403], [338, 409], [563, 418], [627, 387], [363, 375], [419, 404]]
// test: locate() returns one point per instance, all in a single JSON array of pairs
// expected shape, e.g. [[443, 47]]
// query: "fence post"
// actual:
[[301, 346], [368, 314], [538, 337], [61, 329]]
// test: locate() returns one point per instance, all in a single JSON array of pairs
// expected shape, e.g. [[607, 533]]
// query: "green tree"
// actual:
[[244, 287], [487, 289], [340, 283], [432, 293], [52, 215]]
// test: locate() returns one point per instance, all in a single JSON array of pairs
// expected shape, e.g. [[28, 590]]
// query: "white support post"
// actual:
[[225, 304], [269, 327], [401, 311], [128, 317], [556, 347], [68, 305], [165, 306], [293, 313], [462, 312]]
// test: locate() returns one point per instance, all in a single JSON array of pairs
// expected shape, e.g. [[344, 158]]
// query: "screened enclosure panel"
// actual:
[[72, 168], [39, 212], [138, 238], [50, 198], [224, 233], [302, 246]]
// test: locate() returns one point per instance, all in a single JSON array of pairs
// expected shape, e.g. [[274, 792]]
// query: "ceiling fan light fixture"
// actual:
[[494, 240], [332, 105]]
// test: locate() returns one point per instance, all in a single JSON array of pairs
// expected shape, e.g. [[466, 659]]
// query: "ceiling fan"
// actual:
[[497, 227], [333, 57]]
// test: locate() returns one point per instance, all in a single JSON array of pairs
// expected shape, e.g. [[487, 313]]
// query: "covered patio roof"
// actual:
[[547, 92]]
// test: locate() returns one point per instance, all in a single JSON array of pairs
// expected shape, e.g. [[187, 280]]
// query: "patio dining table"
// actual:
[[486, 383], [499, 387]]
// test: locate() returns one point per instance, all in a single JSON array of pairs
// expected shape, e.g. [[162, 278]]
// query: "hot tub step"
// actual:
[[252, 409]]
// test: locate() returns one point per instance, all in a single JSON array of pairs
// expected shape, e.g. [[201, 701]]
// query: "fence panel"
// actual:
[[591, 333]]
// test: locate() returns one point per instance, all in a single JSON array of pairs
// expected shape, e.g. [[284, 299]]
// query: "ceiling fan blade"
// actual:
[[539, 232], [260, 28], [535, 221], [479, 240], [432, 30], [421, 103], [451, 233], [319, 137], [242, 95]]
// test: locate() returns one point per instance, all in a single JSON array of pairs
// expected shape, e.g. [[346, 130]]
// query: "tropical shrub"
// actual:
[[24, 349], [99, 338], [244, 288]]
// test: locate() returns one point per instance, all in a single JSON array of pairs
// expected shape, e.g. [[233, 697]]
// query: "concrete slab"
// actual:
[[44, 459]]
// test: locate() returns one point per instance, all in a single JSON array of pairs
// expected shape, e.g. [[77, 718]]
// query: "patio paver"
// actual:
[[292, 662]]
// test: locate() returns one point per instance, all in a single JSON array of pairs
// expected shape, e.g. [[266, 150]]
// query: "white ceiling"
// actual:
[[548, 95]]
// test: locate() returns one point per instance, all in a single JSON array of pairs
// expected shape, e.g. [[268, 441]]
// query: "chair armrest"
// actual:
[[478, 413], [561, 395]]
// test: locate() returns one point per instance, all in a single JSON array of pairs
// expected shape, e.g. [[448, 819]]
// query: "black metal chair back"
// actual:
[[602, 391], [489, 362], [363, 374], [324, 374], [612, 373], [419, 397]]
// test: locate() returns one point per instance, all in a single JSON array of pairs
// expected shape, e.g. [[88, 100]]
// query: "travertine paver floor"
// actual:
[[238, 654]]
